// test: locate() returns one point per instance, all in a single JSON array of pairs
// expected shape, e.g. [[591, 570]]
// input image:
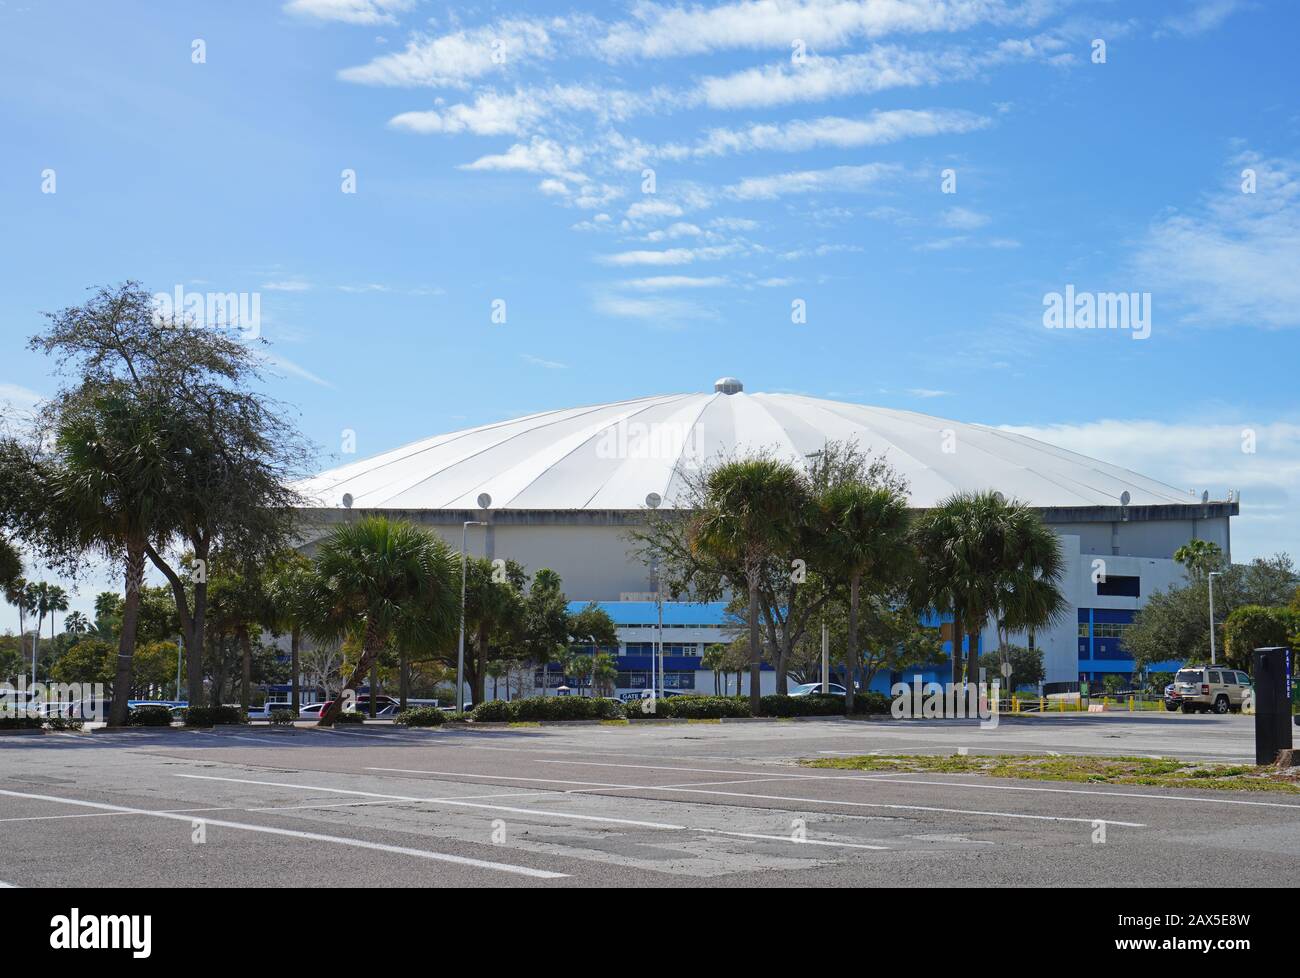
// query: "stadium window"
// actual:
[[1083, 632], [1120, 586]]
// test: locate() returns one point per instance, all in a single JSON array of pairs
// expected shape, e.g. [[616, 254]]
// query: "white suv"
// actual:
[[1200, 689]]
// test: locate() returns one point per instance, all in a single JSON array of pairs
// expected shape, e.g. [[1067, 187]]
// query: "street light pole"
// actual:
[[460, 651], [1212, 576]]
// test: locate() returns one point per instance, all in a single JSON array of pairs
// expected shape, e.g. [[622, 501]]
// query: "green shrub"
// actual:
[[149, 716], [689, 708], [21, 723], [350, 718], [548, 708], [492, 711], [282, 718], [211, 716], [705, 707], [423, 716], [64, 723]]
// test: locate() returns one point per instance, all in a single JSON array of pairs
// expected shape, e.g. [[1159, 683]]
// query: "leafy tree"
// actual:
[[11, 565], [545, 634], [88, 662], [1173, 625], [1026, 666], [227, 455], [1253, 627], [11, 658], [378, 580], [493, 610]]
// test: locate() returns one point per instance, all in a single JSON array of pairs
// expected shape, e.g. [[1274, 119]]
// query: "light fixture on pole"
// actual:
[[1210, 578], [484, 501]]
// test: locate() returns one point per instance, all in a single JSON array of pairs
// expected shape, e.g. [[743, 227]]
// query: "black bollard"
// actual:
[[1272, 675]]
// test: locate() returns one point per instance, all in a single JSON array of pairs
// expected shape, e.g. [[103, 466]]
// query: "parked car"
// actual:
[[1173, 702], [1200, 689], [809, 689], [313, 710]]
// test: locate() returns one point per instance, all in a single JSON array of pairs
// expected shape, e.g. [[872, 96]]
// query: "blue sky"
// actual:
[[798, 152]]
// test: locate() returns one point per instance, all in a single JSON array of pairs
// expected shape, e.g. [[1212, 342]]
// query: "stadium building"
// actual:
[[561, 489]]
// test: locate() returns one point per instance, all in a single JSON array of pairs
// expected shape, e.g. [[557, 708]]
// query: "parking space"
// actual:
[[698, 804]]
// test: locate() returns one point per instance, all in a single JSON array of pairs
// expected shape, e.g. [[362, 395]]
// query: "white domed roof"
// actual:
[[612, 456]]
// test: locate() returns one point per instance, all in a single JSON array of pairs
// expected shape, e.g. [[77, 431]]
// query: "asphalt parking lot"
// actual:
[[665, 805]]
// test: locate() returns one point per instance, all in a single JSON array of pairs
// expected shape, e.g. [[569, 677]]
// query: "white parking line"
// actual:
[[1093, 791], [307, 836], [782, 798], [544, 812]]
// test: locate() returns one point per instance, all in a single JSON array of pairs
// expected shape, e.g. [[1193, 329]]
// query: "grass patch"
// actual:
[[1156, 772], [615, 723]]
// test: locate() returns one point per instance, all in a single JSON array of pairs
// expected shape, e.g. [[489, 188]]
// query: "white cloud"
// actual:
[[835, 179], [804, 134], [539, 362], [1204, 15], [963, 219], [1197, 456], [664, 282], [661, 31], [653, 208], [287, 285], [927, 392], [661, 310], [539, 156], [350, 11], [455, 59], [1232, 259], [18, 403], [524, 110], [672, 256], [877, 69], [294, 369]]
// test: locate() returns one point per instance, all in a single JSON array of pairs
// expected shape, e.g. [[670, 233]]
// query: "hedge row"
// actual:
[[38, 723], [211, 716], [819, 705], [149, 716], [423, 716], [689, 708], [548, 708]]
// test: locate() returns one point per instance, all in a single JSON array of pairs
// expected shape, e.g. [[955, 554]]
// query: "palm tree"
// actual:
[[492, 606], [76, 623], [56, 599], [17, 593], [1199, 557], [109, 491], [713, 659], [289, 588], [382, 580], [983, 557], [864, 539], [604, 673], [11, 566], [44, 599], [753, 510]]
